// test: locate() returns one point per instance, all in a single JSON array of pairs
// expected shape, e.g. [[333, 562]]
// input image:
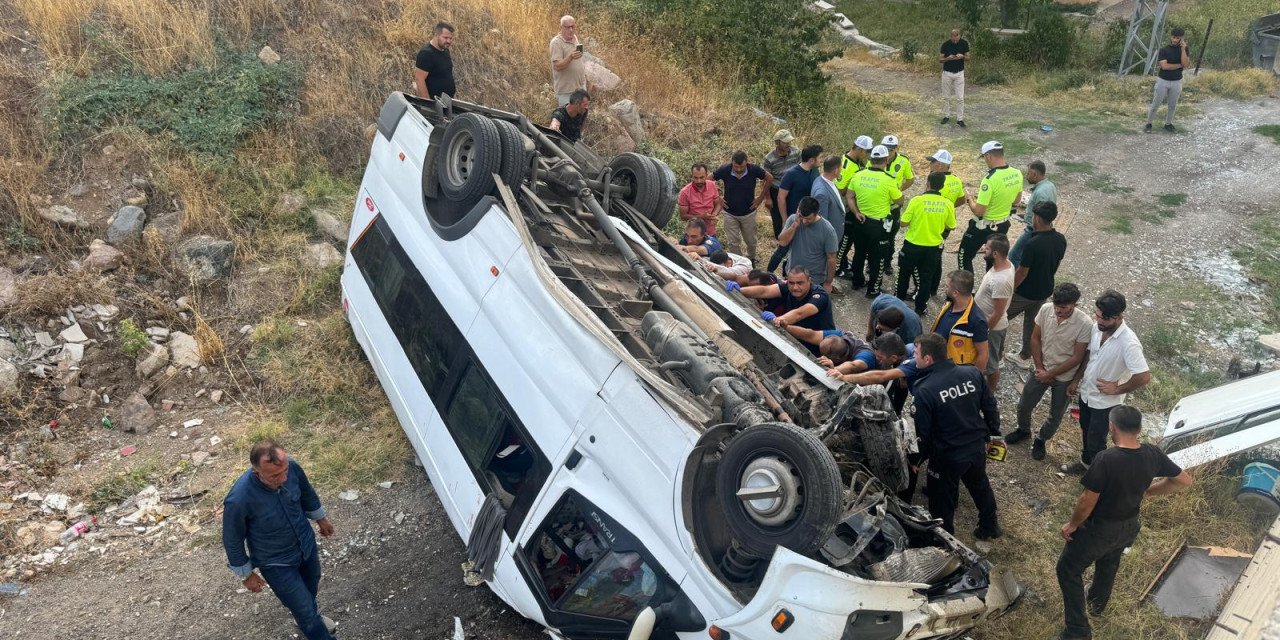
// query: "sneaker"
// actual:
[[1169, 128], [842, 273], [1017, 436], [1075, 468], [960, 122], [945, 120], [1147, 129], [987, 534], [1037, 449]]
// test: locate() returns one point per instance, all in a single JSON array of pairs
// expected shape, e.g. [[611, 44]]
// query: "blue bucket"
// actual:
[[1260, 488]]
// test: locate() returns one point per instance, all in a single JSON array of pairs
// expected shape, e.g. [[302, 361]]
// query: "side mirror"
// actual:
[[642, 628]]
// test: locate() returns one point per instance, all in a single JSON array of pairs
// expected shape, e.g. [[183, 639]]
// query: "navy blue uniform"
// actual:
[[955, 412]]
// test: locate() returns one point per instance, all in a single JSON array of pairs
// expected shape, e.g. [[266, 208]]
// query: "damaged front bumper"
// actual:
[[822, 603]]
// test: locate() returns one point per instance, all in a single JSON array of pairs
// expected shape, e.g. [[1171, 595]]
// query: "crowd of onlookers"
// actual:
[[843, 217]]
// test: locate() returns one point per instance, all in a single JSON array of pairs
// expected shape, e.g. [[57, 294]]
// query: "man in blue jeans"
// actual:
[[267, 510]]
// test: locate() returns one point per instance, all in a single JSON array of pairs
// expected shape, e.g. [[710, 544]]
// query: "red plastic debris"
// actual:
[[128, 451]]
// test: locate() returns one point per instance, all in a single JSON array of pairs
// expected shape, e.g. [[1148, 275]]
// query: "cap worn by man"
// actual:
[[879, 152], [783, 135], [941, 155], [989, 146], [889, 141], [864, 142]]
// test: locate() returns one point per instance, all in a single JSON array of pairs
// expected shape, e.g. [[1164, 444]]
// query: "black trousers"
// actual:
[[925, 265], [846, 243], [1094, 425], [947, 473], [1100, 544], [870, 243], [774, 214], [895, 214], [973, 240]]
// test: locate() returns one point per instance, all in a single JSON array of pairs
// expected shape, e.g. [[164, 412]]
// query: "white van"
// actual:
[[1240, 418], [627, 449]]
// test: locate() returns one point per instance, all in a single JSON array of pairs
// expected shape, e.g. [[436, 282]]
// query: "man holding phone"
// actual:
[[568, 70], [1173, 59]]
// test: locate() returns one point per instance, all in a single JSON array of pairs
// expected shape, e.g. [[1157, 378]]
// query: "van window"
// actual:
[[429, 339], [488, 433], [589, 565]]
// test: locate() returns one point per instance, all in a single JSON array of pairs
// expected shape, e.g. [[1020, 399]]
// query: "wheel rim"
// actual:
[[460, 158], [626, 179], [770, 491]]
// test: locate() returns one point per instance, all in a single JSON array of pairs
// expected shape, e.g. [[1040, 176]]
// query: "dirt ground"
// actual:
[[389, 580]]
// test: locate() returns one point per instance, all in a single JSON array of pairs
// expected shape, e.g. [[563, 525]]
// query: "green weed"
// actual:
[[1269, 130], [1172, 199], [1072, 166], [1106, 184], [208, 110], [132, 339], [1119, 222], [115, 489], [15, 237], [1261, 258]]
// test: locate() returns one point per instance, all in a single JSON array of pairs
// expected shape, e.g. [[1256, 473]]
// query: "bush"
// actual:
[[132, 339], [207, 109], [1237, 84], [1048, 43], [774, 47]]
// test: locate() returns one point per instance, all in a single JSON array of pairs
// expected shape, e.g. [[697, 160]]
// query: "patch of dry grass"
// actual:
[[51, 293], [157, 35], [1237, 84]]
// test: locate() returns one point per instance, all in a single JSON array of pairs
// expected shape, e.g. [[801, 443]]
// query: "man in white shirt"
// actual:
[[1059, 344], [1113, 367], [730, 266], [993, 298]]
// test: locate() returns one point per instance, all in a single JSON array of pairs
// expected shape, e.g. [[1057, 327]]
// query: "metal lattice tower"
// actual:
[[1136, 52]]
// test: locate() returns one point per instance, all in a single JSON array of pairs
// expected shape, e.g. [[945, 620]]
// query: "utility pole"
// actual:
[[1137, 53]]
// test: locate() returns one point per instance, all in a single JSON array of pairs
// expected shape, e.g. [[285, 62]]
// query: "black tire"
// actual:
[[670, 193], [810, 521], [642, 178], [515, 158], [881, 442], [470, 153]]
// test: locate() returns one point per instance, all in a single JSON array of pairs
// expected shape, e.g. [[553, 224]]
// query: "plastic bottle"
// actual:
[[76, 530]]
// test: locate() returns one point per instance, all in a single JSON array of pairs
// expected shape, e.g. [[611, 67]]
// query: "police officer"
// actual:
[[900, 168], [875, 193], [853, 161], [953, 189], [955, 416], [999, 193], [928, 219]]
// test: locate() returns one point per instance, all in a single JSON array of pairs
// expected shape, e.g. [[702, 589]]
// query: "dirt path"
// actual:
[[383, 581]]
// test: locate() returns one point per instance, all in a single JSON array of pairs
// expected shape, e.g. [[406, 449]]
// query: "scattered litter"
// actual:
[[195, 422], [173, 434], [457, 629], [1061, 474], [1038, 506], [128, 451], [215, 441], [1046, 128], [386, 485], [349, 494], [106, 422], [398, 517], [12, 589], [215, 396], [201, 392]]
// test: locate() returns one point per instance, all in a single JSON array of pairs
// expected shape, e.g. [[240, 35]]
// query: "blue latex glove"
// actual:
[[730, 285], [768, 316]]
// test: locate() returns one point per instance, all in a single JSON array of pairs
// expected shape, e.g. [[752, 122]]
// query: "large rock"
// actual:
[[206, 258], [103, 257], [151, 359], [290, 204], [1271, 341], [184, 351], [332, 225], [629, 115], [8, 289], [321, 255], [136, 414], [126, 225], [8, 379], [64, 215], [268, 56], [600, 77]]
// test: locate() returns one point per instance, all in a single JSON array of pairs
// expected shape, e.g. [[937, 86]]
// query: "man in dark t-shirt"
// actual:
[[1172, 60], [1034, 279], [955, 50], [807, 304], [433, 67], [1105, 519], [739, 179], [570, 118]]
